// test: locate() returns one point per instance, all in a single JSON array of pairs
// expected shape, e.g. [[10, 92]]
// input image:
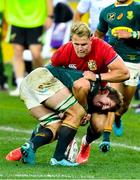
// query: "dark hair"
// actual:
[[114, 95]]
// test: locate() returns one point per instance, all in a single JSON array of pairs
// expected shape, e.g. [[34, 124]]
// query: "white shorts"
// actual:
[[134, 70], [38, 86]]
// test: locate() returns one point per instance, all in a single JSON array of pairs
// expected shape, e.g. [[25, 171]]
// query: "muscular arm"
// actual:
[[81, 92], [118, 72]]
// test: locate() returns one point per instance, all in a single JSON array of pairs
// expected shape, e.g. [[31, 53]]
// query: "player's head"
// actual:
[[107, 99], [80, 36]]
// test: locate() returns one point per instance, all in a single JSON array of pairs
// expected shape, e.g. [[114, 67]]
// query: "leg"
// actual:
[[19, 67], [41, 135], [36, 54], [3, 77], [128, 93], [105, 144], [66, 134], [94, 131]]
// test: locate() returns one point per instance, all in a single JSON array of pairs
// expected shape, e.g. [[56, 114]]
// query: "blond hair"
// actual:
[[81, 29]]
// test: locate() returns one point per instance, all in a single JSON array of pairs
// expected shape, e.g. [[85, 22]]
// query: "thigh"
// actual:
[[17, 35], [34, 35], [40, 86], [61, 100], [126, 90], [40, 111]]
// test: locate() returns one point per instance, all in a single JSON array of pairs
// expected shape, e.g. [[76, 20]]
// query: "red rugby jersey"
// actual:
[[100, 56]]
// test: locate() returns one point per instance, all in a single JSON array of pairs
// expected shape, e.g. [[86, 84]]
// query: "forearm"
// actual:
[[115, 76], [50, 8], [77, 16]]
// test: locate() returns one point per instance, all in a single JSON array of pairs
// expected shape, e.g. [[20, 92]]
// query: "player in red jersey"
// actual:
[[98, 60]]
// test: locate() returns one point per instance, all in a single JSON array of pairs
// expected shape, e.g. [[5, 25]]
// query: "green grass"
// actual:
[[122, 162]]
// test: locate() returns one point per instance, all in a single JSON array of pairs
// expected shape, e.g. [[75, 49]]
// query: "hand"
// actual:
[[122, 34], [85, 119], [89, 75]]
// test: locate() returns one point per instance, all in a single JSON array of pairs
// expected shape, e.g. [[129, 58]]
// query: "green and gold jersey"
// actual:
[[25, 13], [124, 17], [67, 76]]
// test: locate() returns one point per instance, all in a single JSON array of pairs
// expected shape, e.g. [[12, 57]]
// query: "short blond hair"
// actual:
[[81, 29]]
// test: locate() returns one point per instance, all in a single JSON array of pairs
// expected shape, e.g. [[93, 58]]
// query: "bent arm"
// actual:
[[118, 72], [80, 90]]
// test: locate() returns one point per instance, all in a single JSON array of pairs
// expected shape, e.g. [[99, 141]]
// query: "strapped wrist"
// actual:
[[98, 77], [135, 34]]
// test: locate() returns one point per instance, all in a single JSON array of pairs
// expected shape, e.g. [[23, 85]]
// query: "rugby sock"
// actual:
[[44, 136], [65, 136], [118, 120], [91, 136], [106, 136], [35, 131]]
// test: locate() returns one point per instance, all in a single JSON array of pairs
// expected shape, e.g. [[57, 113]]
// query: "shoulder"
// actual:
[[136, 5], [98, 42], [83, 5], [65, 47], [63, 51], [108, 8]]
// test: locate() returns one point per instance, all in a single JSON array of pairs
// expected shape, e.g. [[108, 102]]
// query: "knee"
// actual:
[[123, 110], [98, 126], [74, 115]]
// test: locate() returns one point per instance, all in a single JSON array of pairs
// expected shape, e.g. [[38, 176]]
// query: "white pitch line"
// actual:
[[10, 129]]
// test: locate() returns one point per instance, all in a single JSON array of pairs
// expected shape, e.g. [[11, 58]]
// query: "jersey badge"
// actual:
[[130, 15], [111, 16], [120, 16], [92, 65]]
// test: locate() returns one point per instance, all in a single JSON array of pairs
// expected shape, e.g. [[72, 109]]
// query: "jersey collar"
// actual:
[[124, 4]]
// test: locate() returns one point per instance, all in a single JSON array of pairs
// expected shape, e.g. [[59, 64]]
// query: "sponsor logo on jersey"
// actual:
[[111, 16], [120, 16], [130, 15], [73, 66], [92, 65]]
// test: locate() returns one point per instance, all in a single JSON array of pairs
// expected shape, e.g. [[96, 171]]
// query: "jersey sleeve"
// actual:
[[106, 52], [60, 56], [138, 12], [102, 25], [109, 53], [83, 6]]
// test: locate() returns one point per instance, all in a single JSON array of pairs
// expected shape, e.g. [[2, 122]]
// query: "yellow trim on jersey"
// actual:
[[123, 4], [123, 28]]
